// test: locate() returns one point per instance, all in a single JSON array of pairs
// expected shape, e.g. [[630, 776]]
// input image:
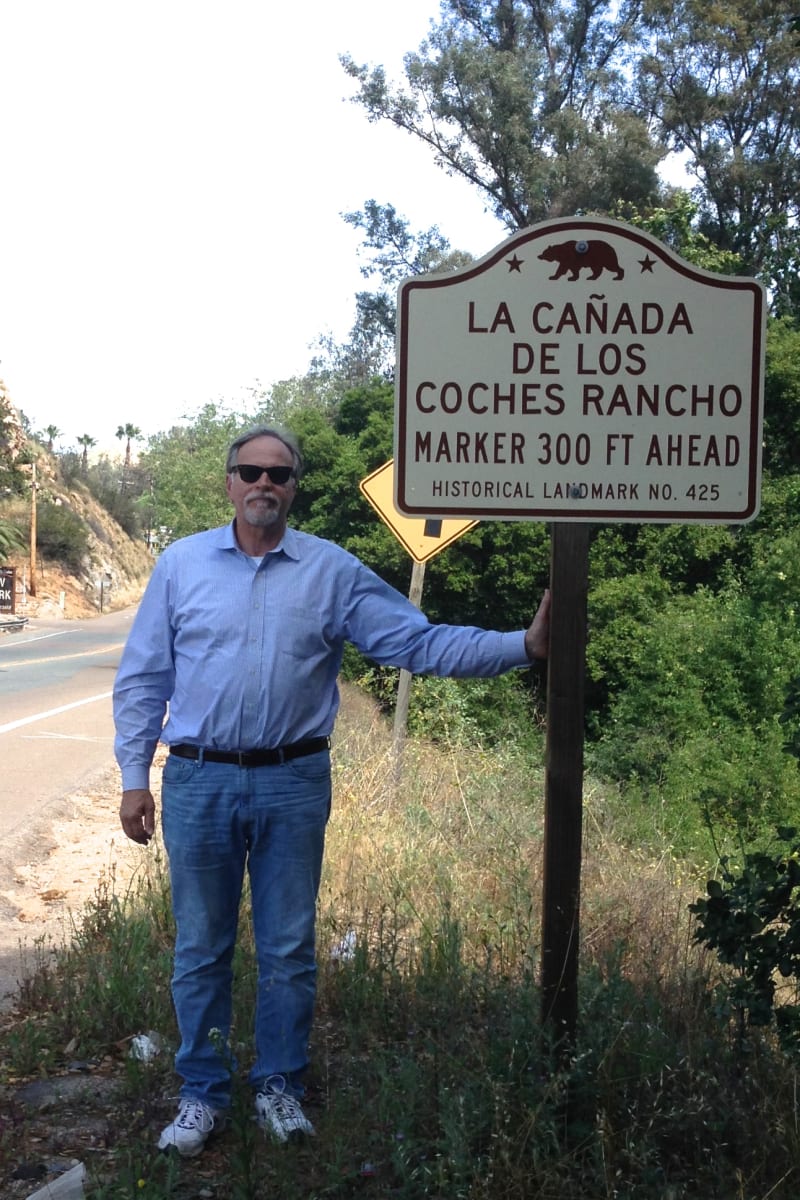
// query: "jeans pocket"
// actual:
[[311, 767], [178, 770]]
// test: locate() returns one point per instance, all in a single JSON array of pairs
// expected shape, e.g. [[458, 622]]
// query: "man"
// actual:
[[240, 632]]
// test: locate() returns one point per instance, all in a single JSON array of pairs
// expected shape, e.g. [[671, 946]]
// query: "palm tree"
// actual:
[[52, 432], [86, 440], [132, 433]]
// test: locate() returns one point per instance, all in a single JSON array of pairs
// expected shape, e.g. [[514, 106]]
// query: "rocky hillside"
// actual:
[[12, 435], [121, 565], [115, 567]]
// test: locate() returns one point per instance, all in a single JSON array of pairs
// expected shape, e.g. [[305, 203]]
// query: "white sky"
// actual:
[[172, 174]]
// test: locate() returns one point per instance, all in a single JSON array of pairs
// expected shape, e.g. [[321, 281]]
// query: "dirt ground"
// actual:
[[47, 875], [49, 872]]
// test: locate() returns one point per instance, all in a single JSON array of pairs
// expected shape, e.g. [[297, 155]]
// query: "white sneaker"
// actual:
[[190, 1129], [279, 1113]]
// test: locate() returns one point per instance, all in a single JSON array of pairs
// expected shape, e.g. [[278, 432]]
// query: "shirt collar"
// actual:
[[288, 545]]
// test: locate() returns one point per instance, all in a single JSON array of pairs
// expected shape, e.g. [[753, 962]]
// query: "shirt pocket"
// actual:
[[302, 635]]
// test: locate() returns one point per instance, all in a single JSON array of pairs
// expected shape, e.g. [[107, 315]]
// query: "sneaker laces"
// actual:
[[195, 1115], [285, 1104]]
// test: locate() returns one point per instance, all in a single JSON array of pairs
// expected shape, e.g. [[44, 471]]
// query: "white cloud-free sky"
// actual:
[[172, 178]]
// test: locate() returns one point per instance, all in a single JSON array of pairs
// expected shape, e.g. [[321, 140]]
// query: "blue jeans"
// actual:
[[218, 819]]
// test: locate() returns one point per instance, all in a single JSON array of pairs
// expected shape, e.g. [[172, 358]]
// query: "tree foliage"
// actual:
[[128, 433], [62, 536], [782, 397], [721, 82], [186, 466], [528, 102], [86, 441], [697, 718], [390, 251], [553, 108]]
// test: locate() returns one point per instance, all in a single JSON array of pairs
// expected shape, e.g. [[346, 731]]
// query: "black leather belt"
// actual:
[[253, 758]]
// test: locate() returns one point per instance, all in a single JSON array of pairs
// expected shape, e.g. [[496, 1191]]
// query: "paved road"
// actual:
[[56, 728]]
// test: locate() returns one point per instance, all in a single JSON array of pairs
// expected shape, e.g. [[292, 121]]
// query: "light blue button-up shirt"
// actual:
[[245, 653]]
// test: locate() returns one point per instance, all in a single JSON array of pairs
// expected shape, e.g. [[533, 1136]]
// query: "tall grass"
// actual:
[[431, 1076]]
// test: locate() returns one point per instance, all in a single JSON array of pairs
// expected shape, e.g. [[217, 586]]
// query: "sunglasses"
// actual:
[[249, 473]]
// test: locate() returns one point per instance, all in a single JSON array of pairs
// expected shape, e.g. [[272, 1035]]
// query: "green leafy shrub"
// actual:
[[472, 710], [61, 535], [11, 538], [696, 727], [751, 919]]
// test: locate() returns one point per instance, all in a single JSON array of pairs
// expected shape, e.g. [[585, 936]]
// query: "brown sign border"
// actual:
[[515, 242]]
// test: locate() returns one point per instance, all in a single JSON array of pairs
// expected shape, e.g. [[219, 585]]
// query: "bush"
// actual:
[[453, 711], [11, 538], [472, 711], [61, 536], [697, 727], [751, 918], [122, 507]]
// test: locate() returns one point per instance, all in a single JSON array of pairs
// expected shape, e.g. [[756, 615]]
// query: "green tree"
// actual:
[[320, 388], [390, 251], [782, 397], [366, 413], [393, 251], [118, 490], [721, 82], [328, 501], [675, 224], [62, 536], [186, 466], [751, 918], [530, 102], [52, 432]]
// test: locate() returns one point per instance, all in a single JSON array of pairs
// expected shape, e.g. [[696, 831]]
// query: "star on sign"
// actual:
[[514, 263], [647, 263]]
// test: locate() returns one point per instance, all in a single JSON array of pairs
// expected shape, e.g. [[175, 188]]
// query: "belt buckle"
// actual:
[[241, 756]]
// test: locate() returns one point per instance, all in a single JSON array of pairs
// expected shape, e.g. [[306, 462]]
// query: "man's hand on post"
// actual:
[[138, 815], [537, 635]]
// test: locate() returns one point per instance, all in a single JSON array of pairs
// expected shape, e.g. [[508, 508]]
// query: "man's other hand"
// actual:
[[138, 815], [537, 636]]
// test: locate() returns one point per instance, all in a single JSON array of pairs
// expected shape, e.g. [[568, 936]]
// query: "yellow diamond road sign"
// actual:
[[422, 538]]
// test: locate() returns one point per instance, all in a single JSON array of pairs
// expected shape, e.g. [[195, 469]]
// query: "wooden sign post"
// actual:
[[563, 817]]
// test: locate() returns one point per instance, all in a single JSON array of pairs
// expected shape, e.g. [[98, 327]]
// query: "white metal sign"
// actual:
[[580, 371]]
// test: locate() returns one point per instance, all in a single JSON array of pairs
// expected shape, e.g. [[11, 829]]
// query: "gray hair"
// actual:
[[282, 435]]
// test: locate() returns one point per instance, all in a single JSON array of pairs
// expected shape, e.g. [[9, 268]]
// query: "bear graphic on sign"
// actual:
[[574, 257]]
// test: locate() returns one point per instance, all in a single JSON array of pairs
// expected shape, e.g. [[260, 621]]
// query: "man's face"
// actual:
[[262, 504]]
